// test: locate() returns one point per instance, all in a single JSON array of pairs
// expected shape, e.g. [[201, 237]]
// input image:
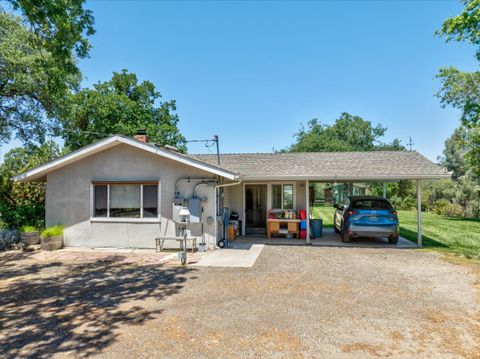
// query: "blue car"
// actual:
[[366, 216]]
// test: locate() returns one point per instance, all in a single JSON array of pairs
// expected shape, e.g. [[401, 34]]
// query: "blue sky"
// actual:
[[251, 72]]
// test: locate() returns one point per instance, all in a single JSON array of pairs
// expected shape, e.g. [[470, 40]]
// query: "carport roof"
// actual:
[[329, 166]]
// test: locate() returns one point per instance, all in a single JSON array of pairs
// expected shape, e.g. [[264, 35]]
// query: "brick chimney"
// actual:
[[141, 135]]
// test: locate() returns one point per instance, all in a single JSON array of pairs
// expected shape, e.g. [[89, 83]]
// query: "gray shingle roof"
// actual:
[[373, 165]]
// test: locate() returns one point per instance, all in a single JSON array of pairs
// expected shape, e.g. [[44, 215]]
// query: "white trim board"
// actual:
[[109, 142]]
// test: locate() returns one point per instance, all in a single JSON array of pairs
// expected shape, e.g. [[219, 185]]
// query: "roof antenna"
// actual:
[[215, 139], [410, 143]]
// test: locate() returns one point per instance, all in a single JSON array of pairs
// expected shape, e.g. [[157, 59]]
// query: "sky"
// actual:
[[253, 72]]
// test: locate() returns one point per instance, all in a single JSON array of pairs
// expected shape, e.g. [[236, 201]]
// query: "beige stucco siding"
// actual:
[[68, 198]]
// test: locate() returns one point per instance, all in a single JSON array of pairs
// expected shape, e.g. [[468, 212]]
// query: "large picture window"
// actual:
[[282, 196], [125, 200]]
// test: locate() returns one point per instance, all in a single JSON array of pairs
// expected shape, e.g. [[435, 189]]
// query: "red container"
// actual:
[[303, 234], [302, 214]]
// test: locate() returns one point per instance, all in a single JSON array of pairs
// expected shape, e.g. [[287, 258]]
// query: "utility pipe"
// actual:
[[189, 179]]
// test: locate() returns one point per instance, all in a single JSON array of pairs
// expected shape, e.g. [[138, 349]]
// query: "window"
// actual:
[[276, 196], [125, 200], [282, 196], [371, 204]]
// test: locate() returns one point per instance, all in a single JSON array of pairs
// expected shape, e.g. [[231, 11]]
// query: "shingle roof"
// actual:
[[372, 165]]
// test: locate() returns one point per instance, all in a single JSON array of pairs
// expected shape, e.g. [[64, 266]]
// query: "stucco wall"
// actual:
[[68, 198]]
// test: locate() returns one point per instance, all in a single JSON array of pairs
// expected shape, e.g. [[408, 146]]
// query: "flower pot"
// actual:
[[30, 238], [52, 243]]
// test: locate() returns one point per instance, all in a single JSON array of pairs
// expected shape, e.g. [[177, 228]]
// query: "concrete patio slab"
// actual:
[[329, 239], [241, 255]]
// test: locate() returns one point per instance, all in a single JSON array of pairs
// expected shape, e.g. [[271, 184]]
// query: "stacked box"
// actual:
[[303, 225], [302, 214], [303, 234]]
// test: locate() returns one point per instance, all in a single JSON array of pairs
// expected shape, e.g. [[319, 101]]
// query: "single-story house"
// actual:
[[124, 192]]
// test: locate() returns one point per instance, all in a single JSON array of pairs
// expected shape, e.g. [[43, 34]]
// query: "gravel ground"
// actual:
[[294, 302]]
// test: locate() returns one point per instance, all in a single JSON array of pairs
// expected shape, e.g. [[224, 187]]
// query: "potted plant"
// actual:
[[29, 235], [52, 238]]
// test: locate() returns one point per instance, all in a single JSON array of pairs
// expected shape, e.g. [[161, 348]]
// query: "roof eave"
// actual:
[[42, 170], [347, 178]]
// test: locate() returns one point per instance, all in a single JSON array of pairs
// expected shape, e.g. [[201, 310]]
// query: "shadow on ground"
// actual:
[[426, 240], [47, 308]]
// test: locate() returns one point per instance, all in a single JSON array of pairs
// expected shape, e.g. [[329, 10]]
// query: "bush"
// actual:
[[28, 229], [52, 231], [445, 208], [9, 239]]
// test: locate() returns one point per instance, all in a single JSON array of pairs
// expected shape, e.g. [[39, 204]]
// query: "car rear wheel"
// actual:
[[393, 239]]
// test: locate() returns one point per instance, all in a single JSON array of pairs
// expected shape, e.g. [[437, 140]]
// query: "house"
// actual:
[[124, 192]]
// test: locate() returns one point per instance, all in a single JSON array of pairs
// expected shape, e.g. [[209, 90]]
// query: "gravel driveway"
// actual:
[[294, 302]]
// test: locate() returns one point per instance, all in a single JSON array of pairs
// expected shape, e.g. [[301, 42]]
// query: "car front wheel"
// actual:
[[345, 237]]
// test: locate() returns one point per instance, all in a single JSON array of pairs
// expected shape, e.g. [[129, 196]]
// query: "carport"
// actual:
[[298, 170]]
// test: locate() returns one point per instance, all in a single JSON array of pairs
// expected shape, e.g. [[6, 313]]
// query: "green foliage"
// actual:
[[445, 208], [120, 106], [405, 203], [463, 27], [28, 229], [454, 153], [459, 89], [24, 203], [348, 133], [38, 58], [52, 231]]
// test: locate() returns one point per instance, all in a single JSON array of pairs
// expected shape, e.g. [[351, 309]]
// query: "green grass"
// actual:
[[459, 236]]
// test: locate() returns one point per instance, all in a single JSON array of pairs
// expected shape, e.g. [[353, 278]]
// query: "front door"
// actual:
[[256, 209]]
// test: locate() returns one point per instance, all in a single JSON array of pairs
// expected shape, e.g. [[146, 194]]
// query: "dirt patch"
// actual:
[[294, 302]]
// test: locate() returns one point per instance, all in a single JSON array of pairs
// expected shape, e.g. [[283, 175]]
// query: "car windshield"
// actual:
[[371, 204]]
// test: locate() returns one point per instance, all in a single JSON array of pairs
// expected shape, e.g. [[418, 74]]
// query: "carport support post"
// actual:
[[419, 213], [307, 198]]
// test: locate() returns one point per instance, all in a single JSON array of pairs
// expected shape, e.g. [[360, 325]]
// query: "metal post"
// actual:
[[384, 190], [307, 198], [419, 213], [215, 138]]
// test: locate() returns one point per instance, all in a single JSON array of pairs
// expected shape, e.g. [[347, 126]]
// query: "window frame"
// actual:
[[142, 219], [282, 195]]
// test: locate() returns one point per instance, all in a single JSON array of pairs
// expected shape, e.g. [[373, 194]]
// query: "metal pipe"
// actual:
[[195, 189], [189, 179]]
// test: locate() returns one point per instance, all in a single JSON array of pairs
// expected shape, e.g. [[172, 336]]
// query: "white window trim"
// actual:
[[294, 194], [109, 219]]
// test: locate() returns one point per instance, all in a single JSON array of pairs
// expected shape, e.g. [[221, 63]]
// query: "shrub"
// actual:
[[445, 208], [52, 231], [28, 229]]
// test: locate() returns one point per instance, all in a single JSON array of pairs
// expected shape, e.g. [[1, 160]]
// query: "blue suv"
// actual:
[[366, 216]]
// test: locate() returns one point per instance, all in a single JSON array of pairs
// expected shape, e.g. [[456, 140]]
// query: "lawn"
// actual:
[[454, 235]]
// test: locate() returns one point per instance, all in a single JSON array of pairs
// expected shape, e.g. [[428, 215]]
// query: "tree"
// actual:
[[24, 203], [460, 89], [454, 153], [120, 106], [348, 133], [40, 43]]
